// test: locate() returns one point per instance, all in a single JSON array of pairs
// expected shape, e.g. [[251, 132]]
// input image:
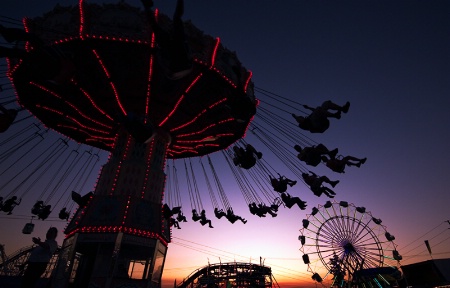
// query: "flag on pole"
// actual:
[[428, 246]]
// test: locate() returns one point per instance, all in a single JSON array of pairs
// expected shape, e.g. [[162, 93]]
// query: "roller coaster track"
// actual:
[[10, 266], [234, 274], [13, 265], [217, 275]]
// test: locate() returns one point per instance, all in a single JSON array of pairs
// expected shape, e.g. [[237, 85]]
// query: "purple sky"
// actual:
[[390, 59]]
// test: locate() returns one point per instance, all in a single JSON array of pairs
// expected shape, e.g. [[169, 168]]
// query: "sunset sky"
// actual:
[[390, 59]]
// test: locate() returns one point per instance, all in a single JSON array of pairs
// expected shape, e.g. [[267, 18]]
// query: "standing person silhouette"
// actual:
[[39, 258]]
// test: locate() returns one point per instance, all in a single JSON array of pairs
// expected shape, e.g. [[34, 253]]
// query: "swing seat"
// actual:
[[28, 228], [36, 210]]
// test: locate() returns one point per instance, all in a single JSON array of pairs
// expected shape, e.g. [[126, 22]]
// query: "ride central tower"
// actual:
[[120, 237]]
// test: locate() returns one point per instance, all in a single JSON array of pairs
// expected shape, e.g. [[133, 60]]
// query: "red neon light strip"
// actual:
[[101, 64], [116, 229], [50, 109], [214, 54], [119, 166], [94, 104], [70, 104], [173, 111], [206, 128], [67, 39], [73, 119], [193, 83], [117, 97], [205, 139], [116, 140], [216, 71], [126, 211], [110, 145], [102, 37], [179, 100], [27, 29], [190, 122], [82, 211], [207, 145], [198, 132], [150, 73], [99, 138], [196, 146], [91, 138], [180, 147], [25, 25], [198, 115], [150, 76], [9, 75], [110, 82], [184, 151], [74, 128], [164, 185], [248, 80], [147, 170], [217, 103], [12, 70], [86, 127], [248, 124], [81, 30]]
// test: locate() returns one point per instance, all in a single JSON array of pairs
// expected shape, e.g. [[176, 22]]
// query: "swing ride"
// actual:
[[79, 84]]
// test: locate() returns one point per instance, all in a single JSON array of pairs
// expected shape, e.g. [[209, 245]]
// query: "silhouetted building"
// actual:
[[431, 273]]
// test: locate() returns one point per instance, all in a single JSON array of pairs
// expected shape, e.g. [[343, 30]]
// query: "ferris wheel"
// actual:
[[344, 244]]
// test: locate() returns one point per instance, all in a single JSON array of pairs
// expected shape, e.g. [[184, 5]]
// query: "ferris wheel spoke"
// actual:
[[363, 225], [327, 250], [370, 247], [367, 242], [373, 258], [321, 221], [339, 224], [330, 238], [368, 250], [328, 212], [334, 226], [323, 216], [326, 234], [344, 218], [346, 227], [339, 233], [349, 232], [372, 263], [355, 220], [368, 234], [326, 244], [369, 239]]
